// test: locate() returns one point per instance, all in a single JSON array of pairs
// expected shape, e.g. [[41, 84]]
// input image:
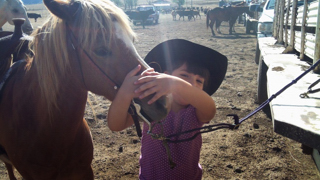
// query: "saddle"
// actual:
[[13, 45]]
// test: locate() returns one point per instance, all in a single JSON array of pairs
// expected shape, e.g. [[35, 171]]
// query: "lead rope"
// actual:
[[237, 122], [310, 91], [165, 140]]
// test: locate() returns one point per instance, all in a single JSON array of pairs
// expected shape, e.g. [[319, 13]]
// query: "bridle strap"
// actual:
[[133, 111], [77, 47]]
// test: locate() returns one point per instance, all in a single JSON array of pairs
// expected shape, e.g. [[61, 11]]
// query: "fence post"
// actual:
[[275, 20], [286, 24], [303, 29], [316, 56], [293, 23], [281, 22]]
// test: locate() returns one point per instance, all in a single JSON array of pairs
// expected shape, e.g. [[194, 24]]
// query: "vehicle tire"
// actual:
[[255, 28], [248, 27], [240, 19], [134, 23], [156, 21], [257, 57]]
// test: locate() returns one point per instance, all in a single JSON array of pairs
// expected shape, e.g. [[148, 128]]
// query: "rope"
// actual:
[[237, 122]]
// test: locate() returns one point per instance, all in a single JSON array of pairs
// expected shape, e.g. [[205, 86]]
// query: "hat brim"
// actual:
[[161, 56]]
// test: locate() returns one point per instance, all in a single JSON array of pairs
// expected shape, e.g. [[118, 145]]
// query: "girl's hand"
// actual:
[[155, 83], [149, 72], [128, 87]]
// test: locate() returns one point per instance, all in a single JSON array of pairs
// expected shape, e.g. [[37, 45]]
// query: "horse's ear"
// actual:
[[63, 9]]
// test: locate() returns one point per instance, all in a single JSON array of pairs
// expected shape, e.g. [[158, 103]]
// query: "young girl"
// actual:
[[192, 73]]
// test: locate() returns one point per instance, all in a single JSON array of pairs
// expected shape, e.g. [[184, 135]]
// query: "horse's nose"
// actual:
[[164, 102], [156, 111]]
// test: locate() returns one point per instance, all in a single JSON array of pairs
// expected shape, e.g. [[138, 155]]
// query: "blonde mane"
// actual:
[[51, 58]]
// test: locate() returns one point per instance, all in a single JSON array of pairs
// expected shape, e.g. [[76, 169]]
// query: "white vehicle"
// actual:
[[153, 18], [265, 24]]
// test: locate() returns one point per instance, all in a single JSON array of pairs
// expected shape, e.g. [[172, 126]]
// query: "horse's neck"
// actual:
[[71, 98], [238, 10]]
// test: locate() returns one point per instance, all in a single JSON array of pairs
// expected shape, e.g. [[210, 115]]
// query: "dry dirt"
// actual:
[[251, 152]]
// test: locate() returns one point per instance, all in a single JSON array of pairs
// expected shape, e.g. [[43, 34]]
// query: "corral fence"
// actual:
[[297, 26]]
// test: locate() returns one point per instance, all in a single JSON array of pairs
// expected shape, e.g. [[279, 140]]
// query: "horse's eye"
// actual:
[[15, 11], [102, 52]]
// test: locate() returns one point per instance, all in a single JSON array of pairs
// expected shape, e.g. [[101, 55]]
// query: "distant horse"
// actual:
[[10, 9], [87, 45], [34, 15], [183, 13], [217, 15], [174, 15]]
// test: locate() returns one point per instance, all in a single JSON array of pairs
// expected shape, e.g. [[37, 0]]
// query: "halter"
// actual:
[[134, 109]]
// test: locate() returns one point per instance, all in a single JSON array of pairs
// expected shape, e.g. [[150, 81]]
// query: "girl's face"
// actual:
[[194, 79]]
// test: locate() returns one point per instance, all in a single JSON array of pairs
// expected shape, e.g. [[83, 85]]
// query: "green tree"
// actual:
[[179, 2]]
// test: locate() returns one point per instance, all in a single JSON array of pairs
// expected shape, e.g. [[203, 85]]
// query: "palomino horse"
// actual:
[[87, 45], [10, 9], [217, 15]]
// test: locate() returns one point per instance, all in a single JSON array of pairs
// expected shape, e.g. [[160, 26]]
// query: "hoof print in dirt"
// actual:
[[238, 170], [276, 149], [135, 141], [223, 147], [121, 149], [90, 120], [101, 116], [229, 166]]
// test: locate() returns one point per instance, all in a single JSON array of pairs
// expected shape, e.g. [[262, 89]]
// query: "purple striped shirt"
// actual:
[[154, 163]]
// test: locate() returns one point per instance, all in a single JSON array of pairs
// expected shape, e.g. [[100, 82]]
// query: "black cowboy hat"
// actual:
[[161, 56]]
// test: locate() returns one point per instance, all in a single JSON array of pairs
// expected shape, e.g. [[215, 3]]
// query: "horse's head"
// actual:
[[101, 40], [15, 9]]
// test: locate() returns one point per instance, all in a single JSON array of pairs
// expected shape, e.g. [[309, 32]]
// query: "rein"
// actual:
[[237, 122], [134, 109], [310, 91]]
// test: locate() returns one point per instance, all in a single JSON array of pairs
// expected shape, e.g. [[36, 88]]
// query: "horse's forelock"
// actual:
[[50, 43], [105, 13]]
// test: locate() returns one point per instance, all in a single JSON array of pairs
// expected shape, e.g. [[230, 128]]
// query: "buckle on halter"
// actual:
[[137, 108], [304, 95]]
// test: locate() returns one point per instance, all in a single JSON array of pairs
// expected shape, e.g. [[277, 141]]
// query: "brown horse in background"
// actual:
[[230, 14]]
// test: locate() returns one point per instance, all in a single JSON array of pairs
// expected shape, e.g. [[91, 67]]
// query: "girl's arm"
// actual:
[[118, 117], [183, 91], [204, 104]]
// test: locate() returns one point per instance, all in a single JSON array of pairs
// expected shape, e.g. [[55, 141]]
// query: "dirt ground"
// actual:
[[253, 151]]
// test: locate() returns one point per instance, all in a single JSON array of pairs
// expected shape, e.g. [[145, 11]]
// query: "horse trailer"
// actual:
[[292, 48]]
